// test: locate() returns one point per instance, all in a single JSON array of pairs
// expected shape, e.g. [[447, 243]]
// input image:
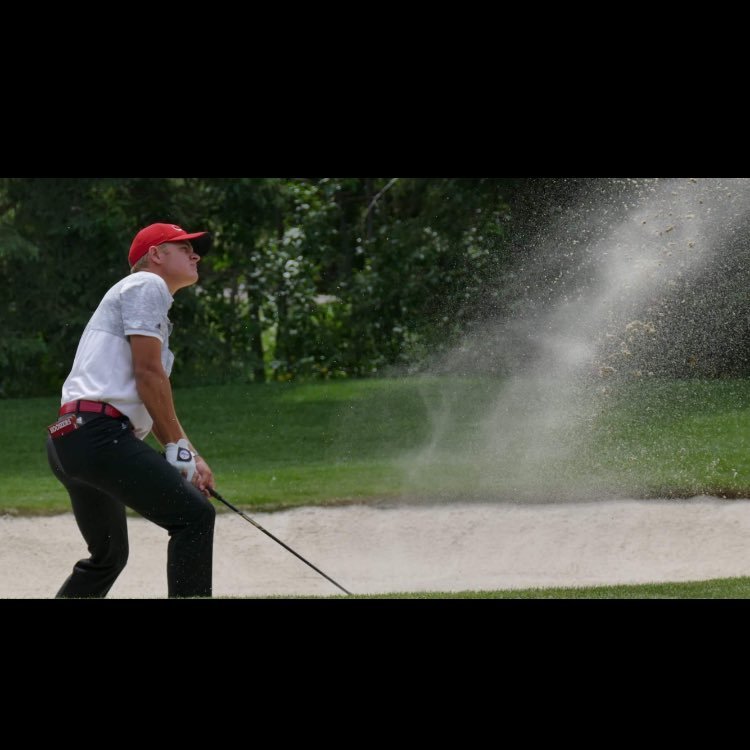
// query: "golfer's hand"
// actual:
[[203, 477], [179, 455]]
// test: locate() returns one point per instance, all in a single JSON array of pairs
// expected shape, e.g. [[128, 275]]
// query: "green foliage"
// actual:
[[309, 277], [58, 251]]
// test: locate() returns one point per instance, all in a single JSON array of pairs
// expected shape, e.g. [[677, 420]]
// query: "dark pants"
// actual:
[[104, 468]]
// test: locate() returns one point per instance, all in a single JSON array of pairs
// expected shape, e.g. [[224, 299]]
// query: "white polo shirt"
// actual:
[[103, 365]]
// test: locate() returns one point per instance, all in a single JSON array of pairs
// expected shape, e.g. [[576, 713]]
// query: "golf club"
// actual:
[[215, 494]]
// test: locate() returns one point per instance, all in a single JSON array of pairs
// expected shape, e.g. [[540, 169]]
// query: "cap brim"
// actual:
[[201, 241]]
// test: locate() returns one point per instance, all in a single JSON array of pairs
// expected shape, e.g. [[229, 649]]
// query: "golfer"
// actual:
[[117, 392]]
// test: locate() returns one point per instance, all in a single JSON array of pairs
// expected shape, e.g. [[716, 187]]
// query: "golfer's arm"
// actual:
[[154, 388]]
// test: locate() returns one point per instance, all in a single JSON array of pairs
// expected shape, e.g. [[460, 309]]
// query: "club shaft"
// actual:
[[215, 494]]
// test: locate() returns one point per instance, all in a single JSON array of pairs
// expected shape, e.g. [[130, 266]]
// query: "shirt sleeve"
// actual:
[[144, 307]]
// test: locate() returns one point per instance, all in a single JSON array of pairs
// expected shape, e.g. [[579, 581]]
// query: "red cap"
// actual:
[[155, 234]]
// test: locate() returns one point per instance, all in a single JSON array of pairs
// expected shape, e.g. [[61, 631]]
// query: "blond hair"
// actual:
[[140, 265]]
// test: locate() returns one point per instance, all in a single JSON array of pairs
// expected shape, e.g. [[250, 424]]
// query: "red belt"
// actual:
[[98, 406]]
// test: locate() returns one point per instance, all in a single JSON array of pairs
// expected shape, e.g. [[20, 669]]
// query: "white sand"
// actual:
[[372, 549]]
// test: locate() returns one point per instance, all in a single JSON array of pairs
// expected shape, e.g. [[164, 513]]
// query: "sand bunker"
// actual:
[[388, 549]]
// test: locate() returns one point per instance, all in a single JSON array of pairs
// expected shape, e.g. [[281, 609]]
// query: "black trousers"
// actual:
[[104, 468]]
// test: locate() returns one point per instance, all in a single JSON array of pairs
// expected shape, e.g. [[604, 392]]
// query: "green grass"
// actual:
[[719, 588], [270, 446], [677, 438], [281, 445]]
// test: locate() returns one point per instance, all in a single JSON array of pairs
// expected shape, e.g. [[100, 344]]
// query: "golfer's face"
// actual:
[[181, 262]]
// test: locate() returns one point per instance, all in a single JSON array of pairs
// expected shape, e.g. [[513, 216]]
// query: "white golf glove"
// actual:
[[181, 457]]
